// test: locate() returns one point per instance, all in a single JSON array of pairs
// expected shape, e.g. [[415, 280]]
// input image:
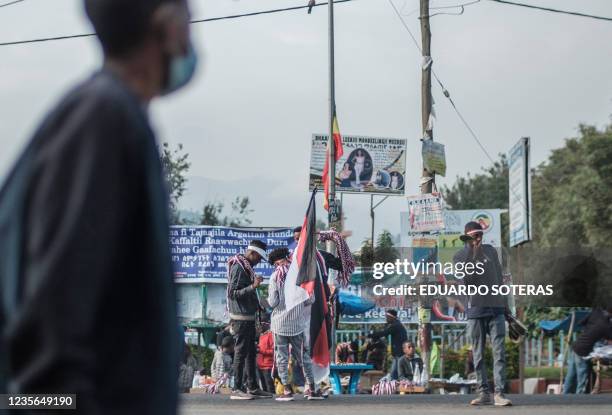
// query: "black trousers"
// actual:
[[265, 379], [244, 355]]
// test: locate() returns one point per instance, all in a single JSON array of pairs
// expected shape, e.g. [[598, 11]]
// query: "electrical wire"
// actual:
[[212, 19], [548, 9], [11, 3], [452, 102]]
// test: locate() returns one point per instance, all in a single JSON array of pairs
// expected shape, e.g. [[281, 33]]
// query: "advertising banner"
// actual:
[[454, 221], [407, 309], [200, 253], [434, 158], [425, 213], [519, 192], [369, 164]]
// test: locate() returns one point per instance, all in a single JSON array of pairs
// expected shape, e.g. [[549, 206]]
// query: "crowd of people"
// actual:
[[266, 348]]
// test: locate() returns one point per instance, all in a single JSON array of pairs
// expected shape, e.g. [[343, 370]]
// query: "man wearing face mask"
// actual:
[[485, 313], [87, 301]]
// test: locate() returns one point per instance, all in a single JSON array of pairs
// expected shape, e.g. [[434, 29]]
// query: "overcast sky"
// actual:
[[262, 89]]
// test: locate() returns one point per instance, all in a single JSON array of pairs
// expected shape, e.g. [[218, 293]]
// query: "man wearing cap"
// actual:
[[485, 313], [243, 305], [398, 334]]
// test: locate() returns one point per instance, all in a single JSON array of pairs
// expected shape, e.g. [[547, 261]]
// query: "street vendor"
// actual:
[[409, 363]]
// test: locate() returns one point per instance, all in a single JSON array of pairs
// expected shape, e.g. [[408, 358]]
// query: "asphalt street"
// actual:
[[399, 404]]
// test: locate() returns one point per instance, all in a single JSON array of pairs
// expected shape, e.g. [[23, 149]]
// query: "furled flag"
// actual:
[[307, 279], [300, 279], [339, 152]]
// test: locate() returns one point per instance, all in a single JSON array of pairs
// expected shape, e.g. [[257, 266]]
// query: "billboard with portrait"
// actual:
[[368, 165]]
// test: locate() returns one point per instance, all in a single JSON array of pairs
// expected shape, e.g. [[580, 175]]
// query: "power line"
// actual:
[[10, 3], [448, 96], [444, 90], [548, 9], [211, 19]]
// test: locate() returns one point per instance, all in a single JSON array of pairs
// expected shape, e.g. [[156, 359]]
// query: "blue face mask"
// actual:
[[181, 70]]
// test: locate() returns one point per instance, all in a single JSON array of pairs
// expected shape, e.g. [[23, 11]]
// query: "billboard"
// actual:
[[519, 193], [368, 165], [407, 309], [200, 253]]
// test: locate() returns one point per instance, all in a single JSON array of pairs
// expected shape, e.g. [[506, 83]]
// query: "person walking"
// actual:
[[84, 226], [485, 313]]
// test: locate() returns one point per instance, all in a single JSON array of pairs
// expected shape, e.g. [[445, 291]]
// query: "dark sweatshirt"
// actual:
[[398, 336], [87, 297], [481, 306]]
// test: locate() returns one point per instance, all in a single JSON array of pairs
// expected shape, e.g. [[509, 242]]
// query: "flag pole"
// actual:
[[332, 153], [332, 110]]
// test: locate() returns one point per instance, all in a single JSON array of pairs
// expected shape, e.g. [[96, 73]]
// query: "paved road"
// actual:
[[192, 404]]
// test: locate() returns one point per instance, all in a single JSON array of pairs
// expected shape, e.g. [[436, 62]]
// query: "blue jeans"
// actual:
[[577, 374], [299, 351], [495, 327]]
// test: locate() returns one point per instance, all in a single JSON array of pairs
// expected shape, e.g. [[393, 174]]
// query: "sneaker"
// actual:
[[501, 400], [314, 395], [241, 395], [306, 391], [258, 393], [483, 399], [286, 396]]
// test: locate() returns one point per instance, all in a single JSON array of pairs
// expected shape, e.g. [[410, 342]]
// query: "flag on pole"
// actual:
[[307, 278], [339, 151], [300, 279]]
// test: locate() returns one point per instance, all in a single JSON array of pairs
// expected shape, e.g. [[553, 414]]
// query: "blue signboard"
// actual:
[[200, 253]]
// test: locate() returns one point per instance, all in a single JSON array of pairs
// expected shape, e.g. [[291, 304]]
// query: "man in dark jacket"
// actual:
[[243, 304], [485, 313], [398, 334], [87, 301], [409, 363]]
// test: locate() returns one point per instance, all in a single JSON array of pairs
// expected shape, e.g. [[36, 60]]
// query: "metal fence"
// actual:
[[539, 351]]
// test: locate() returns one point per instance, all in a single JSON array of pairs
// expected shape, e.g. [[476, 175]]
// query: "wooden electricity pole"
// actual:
[[427, 178]]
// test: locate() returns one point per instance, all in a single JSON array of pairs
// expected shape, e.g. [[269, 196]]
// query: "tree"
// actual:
[[488, 190], [366, 256], [485, 190], [212, 213], [175, 165], [572, 192], [385, 249]]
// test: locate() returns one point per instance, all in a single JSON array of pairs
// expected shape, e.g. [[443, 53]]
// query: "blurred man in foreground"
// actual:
[[88, 305]]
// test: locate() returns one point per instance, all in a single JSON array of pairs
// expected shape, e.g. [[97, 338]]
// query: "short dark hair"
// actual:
[[276, 254], [392, 312], [297, 229], [122, 26], [227, 341]]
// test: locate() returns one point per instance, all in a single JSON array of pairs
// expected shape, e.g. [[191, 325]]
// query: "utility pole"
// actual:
[[332, 112], [427, 178]]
